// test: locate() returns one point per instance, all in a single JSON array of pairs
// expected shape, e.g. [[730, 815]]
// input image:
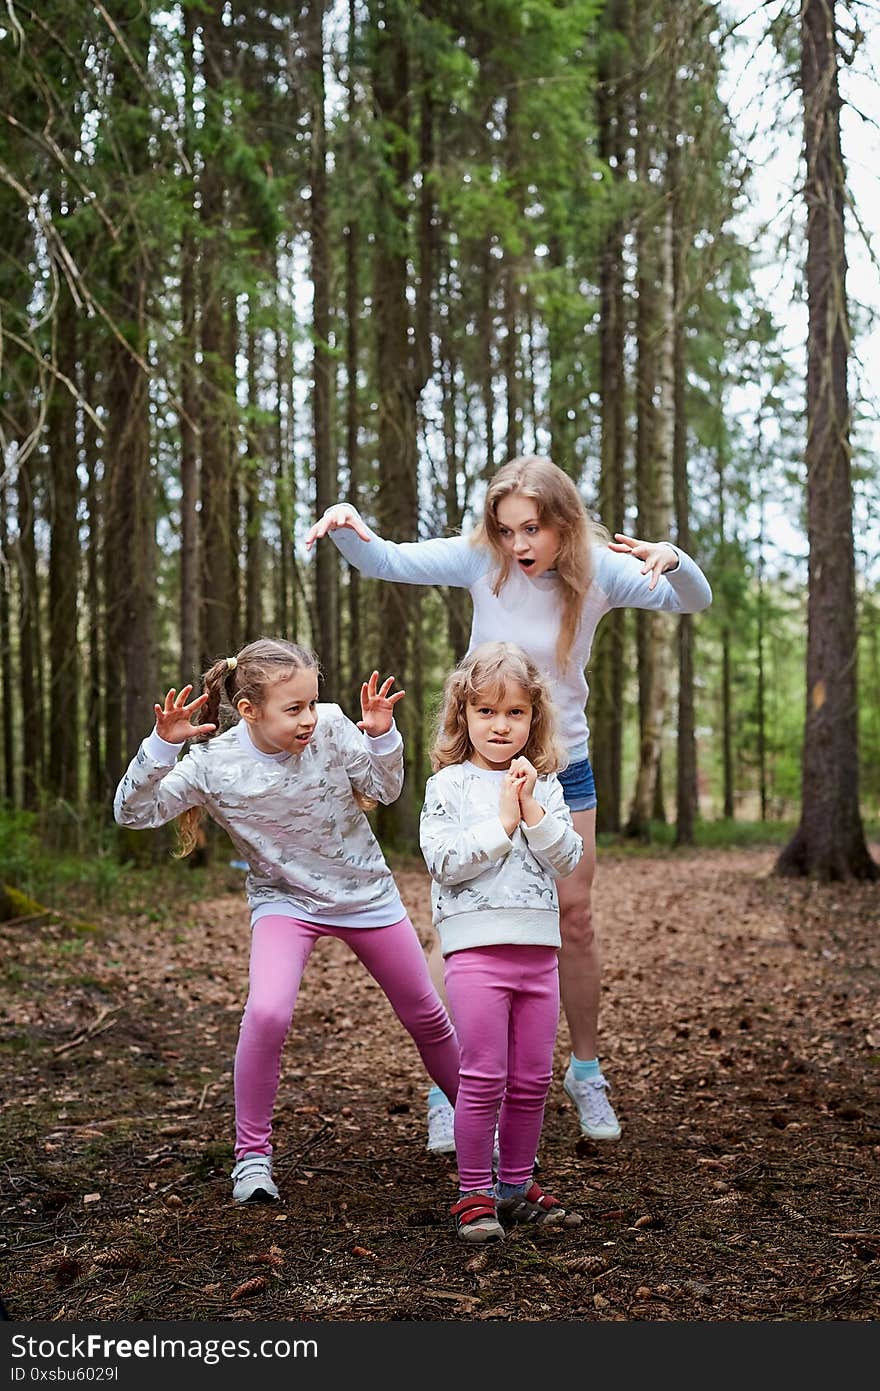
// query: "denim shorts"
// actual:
[[579, 785]]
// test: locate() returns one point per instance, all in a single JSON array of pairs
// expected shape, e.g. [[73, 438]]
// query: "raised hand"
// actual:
[[656, 556], [341, 514], [509, 809], [526, 776], [173, 722], [377, 706]]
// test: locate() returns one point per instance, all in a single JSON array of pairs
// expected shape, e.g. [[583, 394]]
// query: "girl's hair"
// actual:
[[483, 675], [559, 505], [247, 676]]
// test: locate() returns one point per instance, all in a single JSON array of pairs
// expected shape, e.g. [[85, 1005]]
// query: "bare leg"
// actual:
[[436, 971], [579, 966]]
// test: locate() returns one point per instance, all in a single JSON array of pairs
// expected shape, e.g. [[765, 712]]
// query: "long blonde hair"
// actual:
[[559, 505], [247, 676], [483, 675]]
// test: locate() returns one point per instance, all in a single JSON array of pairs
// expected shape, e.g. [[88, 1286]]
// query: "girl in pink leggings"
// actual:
[[496, 833], [289, 783]]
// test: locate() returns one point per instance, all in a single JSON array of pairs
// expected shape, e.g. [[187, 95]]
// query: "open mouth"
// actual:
[[526, 564]]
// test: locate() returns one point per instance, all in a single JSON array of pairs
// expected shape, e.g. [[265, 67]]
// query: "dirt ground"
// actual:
[[740, 1031]]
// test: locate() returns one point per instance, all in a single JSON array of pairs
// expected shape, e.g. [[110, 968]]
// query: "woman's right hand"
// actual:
[[509, 808], [341, 514], [173, 722]]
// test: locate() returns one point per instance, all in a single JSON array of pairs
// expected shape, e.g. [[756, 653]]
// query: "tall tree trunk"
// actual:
[[94, 695], [656, 631], [285, 605], [510, 358], [29, 644], [456, 599], [64, 557], [760, 661], [397, 503], [236, 558], [830, 841], [130, 505], [189, 464], [686, 800], [6, 667], [215, 542], [486, 335], [606, 681], [253, 472], [646, 413], [352, 351], [726, 695], [326, 481]]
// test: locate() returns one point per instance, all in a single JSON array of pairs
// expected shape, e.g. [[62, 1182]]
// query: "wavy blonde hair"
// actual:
[[559, 505], [482, 676], [256, 667]]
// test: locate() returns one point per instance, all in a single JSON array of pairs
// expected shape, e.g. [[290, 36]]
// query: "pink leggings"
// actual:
[[280, 948], [505, 1002]]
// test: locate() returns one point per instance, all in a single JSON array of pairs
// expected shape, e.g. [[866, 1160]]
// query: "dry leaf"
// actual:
[[91, 1197], [599, 1301], [479, 1262], [643, 1221], [362, 1251], [249, 1287]]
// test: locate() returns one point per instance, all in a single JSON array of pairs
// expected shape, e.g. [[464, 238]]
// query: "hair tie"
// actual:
[[231, 663]]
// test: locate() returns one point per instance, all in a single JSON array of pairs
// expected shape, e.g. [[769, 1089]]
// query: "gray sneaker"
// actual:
[[441, 1129], [252, 1180], [595, 1111]]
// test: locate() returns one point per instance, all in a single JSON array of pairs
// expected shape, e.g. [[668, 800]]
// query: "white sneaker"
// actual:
[[252, 1180], [441, 1129], [595, 1111]]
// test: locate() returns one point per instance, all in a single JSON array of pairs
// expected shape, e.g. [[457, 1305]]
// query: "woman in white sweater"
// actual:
[[541, 573]]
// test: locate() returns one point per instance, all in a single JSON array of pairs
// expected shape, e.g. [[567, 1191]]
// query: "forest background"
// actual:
[[260, 258]]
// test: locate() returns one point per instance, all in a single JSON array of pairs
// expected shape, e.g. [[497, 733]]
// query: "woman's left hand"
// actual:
[[656, 556], [377, 706]]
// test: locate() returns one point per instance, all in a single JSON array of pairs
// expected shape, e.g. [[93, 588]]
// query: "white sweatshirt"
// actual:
[[528, 611], [310, 848], [488, 888]]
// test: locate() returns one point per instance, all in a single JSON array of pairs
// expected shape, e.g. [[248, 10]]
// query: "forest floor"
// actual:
[[740, 1031]]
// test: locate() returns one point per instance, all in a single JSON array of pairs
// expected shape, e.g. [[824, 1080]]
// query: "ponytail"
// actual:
[[216, 684]]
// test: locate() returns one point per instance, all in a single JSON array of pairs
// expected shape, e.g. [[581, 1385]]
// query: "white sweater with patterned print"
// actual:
[[294, 818], [489, 888]]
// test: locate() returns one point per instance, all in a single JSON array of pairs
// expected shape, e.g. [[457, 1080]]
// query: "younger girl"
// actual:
[[495, 834], [289, 783]]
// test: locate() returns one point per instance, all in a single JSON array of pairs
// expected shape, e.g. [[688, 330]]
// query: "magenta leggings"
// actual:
[[505, 1002], [280, 948]]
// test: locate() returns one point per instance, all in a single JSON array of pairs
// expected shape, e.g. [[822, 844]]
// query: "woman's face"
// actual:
[[533, 544]]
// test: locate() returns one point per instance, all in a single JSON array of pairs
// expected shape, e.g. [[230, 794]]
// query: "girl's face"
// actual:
[[499, 729], [533, 544], [285, 722]]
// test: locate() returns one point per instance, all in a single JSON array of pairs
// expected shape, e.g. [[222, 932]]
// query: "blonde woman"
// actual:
[[541, 573]]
